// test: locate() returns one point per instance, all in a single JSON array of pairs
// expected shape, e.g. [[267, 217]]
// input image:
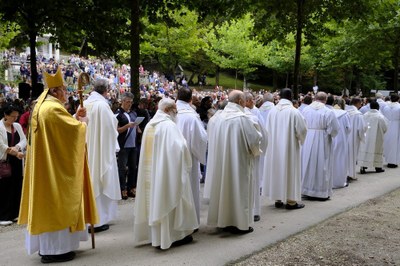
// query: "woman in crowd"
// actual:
[[12, 144]]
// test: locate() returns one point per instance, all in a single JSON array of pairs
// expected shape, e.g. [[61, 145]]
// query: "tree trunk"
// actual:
[[135, 48], [190, 81], [32, 46], [274, 79], [244, 82], [396, 70], [236, 74], [217, 76], [315, 78], [350, 87], [287, 80], [83, 46], [299, 31]]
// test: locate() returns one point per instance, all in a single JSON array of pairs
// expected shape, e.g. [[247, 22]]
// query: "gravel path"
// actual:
[[365, 235]]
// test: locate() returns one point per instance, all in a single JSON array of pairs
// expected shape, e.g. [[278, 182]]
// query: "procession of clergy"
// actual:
[[278, 151]]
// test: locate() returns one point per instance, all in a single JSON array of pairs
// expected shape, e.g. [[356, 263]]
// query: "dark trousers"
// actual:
[[10, 192], [127, 157]]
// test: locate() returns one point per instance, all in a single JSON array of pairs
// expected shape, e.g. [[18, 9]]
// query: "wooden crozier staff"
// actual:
[[84, 80]]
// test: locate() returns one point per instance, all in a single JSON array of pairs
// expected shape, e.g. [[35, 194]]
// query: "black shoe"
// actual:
[[350, 179], [98, 229], [58, 258], [184, 241], [362, 170], [317, 199], [257, 218], [379, 170], [278, 204], [390, 165], [237, 231], [295, 206]]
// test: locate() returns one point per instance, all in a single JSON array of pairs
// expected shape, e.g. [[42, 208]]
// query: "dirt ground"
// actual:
[[366, 235]]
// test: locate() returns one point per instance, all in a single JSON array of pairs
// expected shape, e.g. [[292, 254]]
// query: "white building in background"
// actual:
[[46, 49]]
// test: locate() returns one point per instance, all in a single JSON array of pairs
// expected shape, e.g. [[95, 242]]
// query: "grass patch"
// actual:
[[228, 82]]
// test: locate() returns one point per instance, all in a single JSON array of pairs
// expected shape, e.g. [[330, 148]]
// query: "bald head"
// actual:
[[237, 97], [321, 97], [166, 104]]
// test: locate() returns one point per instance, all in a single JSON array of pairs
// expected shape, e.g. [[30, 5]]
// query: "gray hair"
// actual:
[[268, 97], [127, 95], [165, 103], [101, 86], [248, 95], [379, 95]]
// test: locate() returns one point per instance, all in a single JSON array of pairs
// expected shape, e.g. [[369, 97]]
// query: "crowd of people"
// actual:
[[159, 150]]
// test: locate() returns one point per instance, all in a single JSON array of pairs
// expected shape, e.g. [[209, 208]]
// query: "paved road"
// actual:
[[210, 247]]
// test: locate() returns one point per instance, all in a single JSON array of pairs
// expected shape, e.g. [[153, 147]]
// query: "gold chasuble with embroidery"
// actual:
[[57, 191]]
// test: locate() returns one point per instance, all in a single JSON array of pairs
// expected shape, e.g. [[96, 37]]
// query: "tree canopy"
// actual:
[[337, 44]]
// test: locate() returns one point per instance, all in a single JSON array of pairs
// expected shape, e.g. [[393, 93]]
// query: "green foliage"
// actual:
[[344, 43], [174, 41], [8, 31], [233, 45]]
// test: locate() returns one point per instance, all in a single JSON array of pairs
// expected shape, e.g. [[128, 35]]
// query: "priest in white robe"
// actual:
[[237, 142], [165, 213], [381, 102], [287, 131], [195, 134], [307, 100], [101, 139], [322, 126], [264, 110], [357, 135], [371, 151], [340, 147], [266, 107], [392, 138], [366, 107], [252, 111], [212, 149]]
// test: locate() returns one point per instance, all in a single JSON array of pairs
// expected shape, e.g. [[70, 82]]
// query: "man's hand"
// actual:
[[81, 112], [81, 115]]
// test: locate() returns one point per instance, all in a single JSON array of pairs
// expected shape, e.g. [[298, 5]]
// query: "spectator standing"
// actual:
[[127, 155], [12, 143]]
